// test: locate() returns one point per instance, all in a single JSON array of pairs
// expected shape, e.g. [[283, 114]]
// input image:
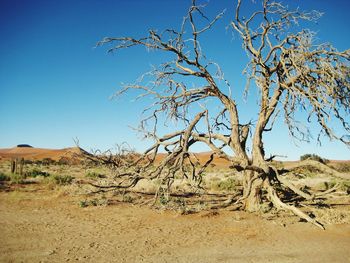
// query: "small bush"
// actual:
[[63, 179], [163, 200], [17, 178], [48, 161], [342, 167], [313, 157], [93, 202], [36, 172], [94, 175], [64, 161], [127, 199], [228, 184], [332, 216], [83, 204], [307, 170], [343, 185], [4, 177]]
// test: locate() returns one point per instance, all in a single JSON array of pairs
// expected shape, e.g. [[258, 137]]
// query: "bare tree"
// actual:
[[288, 68]]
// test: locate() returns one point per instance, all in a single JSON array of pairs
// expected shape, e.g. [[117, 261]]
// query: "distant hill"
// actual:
[[31, 153], [72, 154]]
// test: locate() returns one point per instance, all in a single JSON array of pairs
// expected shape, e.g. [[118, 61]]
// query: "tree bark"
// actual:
[[252, 191]]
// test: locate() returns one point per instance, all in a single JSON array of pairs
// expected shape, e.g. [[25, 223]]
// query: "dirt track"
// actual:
[[47, 227]]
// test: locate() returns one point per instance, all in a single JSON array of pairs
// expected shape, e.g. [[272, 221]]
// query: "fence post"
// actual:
[[13, 166], [21, 164]]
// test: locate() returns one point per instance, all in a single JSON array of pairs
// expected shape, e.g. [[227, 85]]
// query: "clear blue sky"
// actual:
[[55, 86]]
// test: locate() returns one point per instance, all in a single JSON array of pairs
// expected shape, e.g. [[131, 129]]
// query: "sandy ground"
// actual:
[[47, 226]]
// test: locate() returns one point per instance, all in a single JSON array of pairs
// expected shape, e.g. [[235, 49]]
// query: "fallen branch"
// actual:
[[281, 205]]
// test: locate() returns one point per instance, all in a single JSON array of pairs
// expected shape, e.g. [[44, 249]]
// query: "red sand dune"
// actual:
[[31, 153]]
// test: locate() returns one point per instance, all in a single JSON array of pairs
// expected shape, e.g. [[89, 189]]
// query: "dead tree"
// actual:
[[288, 68]]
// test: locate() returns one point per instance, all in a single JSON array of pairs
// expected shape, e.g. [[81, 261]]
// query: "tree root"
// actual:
[[232, 202], [280, 205], [294, 188], [226, 203]]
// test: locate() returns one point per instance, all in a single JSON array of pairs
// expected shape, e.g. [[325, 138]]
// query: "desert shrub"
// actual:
[[83, 203], [48, 161], [178, 204], [94, 175], [163, 200], [179, 201], [93, 202], [228, 184], [342, 167], [127, 198], [322, 186], [64, 161], [215, 179], [63, 179], [332, 216], [345, 186], [36, 172], [38, 162], [4, 177], [17, 178], [307, 170], [163, 195], [313, 157]]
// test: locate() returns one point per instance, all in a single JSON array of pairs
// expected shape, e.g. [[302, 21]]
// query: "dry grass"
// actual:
[[331, 216], [62, 180]]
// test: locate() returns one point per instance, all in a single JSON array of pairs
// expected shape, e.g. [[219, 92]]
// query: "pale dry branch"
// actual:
[[289, 69]]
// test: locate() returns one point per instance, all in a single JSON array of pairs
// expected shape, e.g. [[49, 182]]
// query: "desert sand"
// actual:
[[48, 226], [41, 223]]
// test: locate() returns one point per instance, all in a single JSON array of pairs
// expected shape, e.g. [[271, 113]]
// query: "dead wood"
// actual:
[[290, 73]]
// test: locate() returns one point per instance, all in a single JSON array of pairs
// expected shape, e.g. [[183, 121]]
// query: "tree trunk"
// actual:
[[252, 191]]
